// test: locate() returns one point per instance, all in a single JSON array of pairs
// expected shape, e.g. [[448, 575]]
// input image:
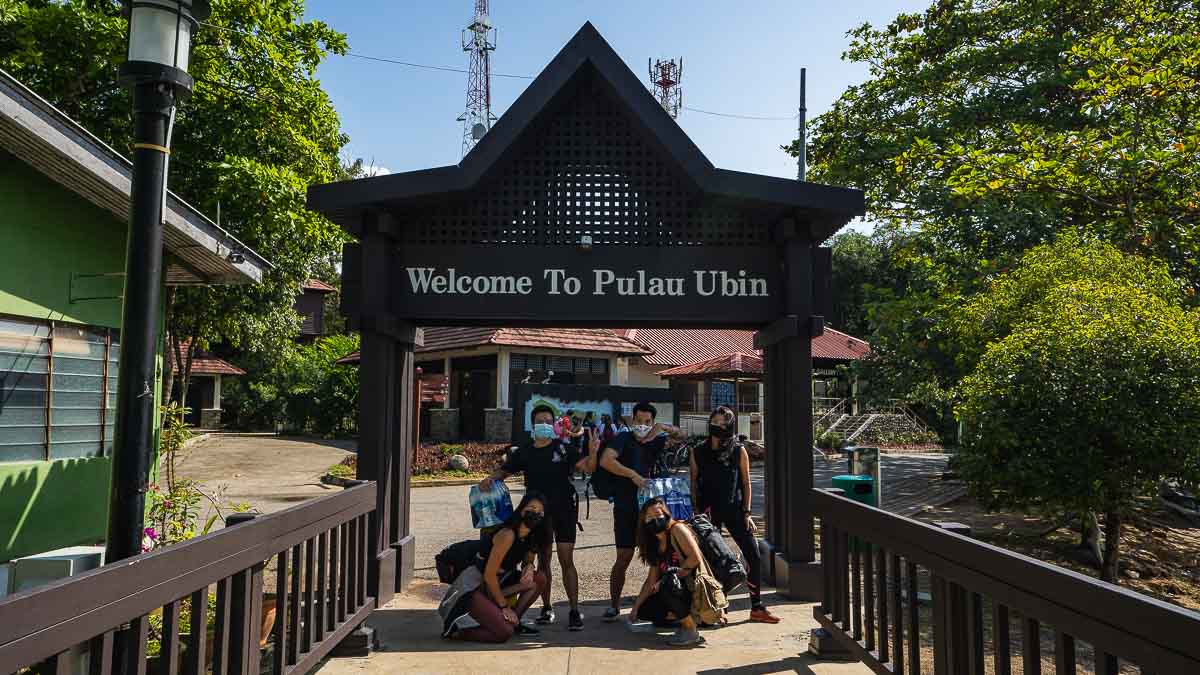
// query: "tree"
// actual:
[[257, 130], [969, 89], [1087, 395]]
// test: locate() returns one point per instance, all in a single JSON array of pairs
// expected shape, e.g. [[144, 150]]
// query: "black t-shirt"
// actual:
[[719, 479], [641, 457], [547, 470]]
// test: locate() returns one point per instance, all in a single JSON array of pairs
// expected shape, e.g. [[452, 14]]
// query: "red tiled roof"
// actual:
[[676, 347], [317, 285], [570, 339], [204, 363], [718, 366]]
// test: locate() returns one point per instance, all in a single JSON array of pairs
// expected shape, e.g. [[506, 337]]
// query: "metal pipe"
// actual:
[[134, 429], [803, 130]]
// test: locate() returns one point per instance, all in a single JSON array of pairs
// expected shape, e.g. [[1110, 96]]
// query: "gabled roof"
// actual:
[[677, 347], [440, 339], [728, 365], [824, 208], [42, 136], [317, 285], [204, 363]]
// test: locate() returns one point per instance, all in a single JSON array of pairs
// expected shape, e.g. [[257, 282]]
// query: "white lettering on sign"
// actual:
[[707, 283]]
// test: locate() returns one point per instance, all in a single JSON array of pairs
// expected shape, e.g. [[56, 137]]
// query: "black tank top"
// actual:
[[718, 476], [512, 559]]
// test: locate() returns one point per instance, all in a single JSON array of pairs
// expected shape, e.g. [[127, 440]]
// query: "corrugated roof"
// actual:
[[204, 363], [439, 339], [676, 347], [727, 365]]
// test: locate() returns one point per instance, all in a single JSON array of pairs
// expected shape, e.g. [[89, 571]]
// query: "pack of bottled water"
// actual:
[[492, 507], [676, 491]]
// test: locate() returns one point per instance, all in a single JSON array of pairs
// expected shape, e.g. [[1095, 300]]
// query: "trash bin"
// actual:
[[858, 488], [863, 461]]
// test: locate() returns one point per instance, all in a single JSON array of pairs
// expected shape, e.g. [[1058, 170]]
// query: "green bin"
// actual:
[[858, 488]]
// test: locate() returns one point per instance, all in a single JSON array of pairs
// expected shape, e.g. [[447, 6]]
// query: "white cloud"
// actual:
[[377, 170]]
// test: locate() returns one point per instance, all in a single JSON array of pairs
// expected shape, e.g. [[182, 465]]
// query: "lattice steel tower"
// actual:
[[665, 77], [479, 39]]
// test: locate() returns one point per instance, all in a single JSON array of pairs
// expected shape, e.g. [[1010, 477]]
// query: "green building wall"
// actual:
[[47, 235]]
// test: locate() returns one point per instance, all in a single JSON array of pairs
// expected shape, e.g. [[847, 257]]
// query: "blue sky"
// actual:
[[739, 57]]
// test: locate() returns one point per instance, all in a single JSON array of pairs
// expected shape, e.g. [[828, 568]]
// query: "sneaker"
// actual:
[[611, 614], [575, 621], [546, 617], [762, 615], [685, 638], [525, 630]]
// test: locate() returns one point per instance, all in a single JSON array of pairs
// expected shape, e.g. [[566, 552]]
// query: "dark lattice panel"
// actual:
[[585, 168]]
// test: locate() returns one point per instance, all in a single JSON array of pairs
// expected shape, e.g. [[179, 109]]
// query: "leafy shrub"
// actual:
[[483, 457], [831, 440]]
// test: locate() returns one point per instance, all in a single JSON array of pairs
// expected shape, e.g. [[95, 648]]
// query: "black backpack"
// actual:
[[457, 557], [602, 482], [725, 565]]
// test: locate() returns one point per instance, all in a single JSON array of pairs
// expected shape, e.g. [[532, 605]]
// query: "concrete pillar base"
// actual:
[[797, 580], [823, 646], [406, 555], [358, 643]]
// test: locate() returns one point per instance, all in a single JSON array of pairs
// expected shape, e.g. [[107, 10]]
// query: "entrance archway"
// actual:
[[586, 205]]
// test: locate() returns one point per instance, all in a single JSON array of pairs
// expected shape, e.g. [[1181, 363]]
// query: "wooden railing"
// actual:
[[906, 597], [321, 551]]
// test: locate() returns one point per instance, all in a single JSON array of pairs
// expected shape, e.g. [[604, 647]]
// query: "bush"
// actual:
[[484, 457], [831, 440]]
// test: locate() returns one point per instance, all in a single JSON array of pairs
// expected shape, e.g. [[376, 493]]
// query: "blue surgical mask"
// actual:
[[543, 431]]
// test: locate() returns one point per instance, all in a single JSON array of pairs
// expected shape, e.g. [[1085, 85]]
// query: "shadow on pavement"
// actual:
[[790, 664]]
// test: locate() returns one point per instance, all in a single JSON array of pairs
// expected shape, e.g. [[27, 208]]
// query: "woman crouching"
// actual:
[[505, 570], [670, 550]]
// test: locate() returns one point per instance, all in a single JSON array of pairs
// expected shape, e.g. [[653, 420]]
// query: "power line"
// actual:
[[740, 117]]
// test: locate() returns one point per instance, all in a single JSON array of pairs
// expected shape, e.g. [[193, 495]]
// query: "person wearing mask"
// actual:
[[630, 458], [720, 475], [670, 550], [608, 430], [505, 570], [549, 466]]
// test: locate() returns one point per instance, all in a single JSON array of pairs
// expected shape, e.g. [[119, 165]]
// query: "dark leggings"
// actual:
[[657, 607], [492, 626], [736, 524]]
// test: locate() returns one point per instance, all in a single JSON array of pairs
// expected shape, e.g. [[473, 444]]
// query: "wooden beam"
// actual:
[[393, 327], [783, 328]]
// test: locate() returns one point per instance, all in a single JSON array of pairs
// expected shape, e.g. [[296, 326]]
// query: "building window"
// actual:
[[58, 385], [566, 369]]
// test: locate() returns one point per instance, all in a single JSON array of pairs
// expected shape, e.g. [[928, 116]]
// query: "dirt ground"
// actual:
[[1160, 548]]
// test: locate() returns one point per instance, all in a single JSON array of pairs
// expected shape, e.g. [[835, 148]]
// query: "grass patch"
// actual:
[[448, 474]]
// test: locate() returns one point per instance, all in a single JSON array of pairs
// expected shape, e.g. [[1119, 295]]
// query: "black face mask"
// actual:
[[532, 519], [657, 525], [719, 431]]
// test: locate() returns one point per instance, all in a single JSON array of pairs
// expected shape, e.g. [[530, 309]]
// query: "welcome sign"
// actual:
[[604, 285]]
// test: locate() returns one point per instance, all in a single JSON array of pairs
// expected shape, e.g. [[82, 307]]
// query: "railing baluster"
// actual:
[[344, 597], [856, 588], [914, 621], [1064, 653], [974, 630], [319, 599], [1107, 664], [221, 634], [169, 654], [898, 616], [352, 577], [869, 594], [835, 575], [334, 568], [60, 663], [279, 667], [956, 613], [196, 662], [294, 608], [1001, 646], [941, 637], [366, 557], [881, 584], [100, 652], [306, 640], [141, 630], [1031, 647], [843, 547], [826, 570]]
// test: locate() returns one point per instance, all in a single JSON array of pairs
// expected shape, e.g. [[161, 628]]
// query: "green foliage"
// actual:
[[1087, 396], [304, 388], [173, 507], [340, 470], [831, 440], [449, 450]]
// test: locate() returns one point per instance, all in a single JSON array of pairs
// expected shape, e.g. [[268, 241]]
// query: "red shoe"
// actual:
[[761, 615]]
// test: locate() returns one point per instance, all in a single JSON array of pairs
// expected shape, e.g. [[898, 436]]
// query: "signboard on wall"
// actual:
[[604, 285]]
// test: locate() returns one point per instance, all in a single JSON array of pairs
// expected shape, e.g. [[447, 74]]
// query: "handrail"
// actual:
[[43, 622], [859, 538], [828, 413]]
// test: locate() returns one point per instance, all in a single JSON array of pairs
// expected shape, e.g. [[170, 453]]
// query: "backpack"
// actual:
[[602, 482], [724, 564], [708, 597], [457, 557]]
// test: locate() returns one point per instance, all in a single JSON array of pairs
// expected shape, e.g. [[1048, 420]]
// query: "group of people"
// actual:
[[572, 427], [516, 569]]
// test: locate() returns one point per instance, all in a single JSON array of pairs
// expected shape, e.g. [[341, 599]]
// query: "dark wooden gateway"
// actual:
[[586, 205]]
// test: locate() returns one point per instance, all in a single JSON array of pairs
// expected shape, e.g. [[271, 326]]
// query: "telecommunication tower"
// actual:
[[478, 39], [664, 78]]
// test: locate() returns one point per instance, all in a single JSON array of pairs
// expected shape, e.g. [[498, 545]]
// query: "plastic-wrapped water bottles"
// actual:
[[676, 491], [490, 508]]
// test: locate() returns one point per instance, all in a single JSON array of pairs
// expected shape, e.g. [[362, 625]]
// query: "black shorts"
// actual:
[[563, 517], [625, 514]]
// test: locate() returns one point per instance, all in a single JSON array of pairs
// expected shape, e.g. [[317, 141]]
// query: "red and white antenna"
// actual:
[[665, 77], [478, 39]]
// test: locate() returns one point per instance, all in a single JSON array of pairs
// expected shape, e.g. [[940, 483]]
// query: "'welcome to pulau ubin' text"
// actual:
[[430, 280]]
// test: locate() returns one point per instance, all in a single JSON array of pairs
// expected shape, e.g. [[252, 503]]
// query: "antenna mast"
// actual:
[[478, 39], [665, 77], [802, 128]]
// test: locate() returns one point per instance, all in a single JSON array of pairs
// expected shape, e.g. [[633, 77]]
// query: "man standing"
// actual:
[[548, 465], [630, 457]]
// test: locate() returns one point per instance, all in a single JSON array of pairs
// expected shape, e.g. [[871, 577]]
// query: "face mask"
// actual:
[[641, 430], [719, 431], [543, 431], [532, 519], [657, 525]]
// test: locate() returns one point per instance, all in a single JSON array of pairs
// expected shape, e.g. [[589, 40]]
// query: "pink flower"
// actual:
[[150, 534]]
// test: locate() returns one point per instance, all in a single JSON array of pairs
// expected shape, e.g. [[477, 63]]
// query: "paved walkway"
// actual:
[[409, 629]]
